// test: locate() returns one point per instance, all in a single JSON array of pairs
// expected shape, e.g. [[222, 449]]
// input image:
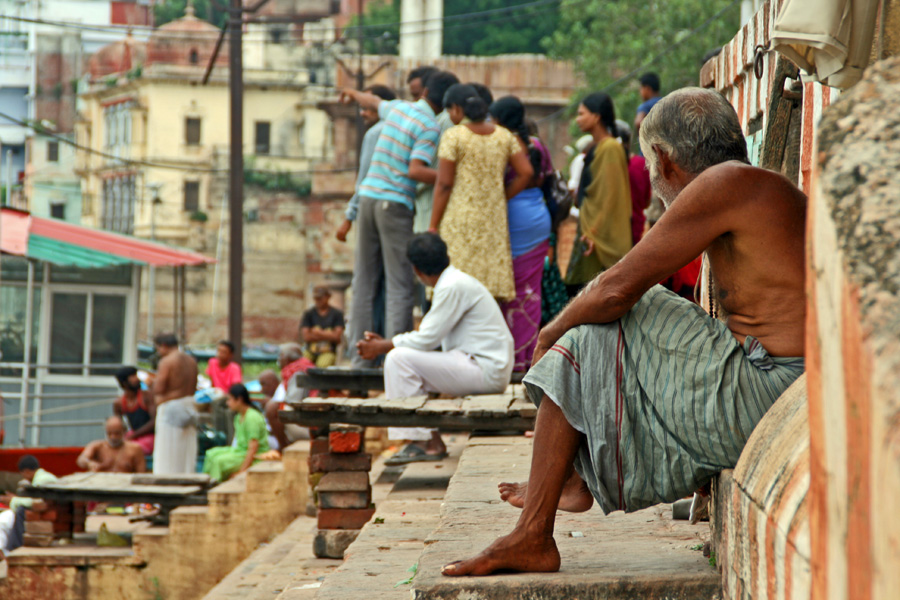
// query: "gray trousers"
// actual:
[[383, 230]]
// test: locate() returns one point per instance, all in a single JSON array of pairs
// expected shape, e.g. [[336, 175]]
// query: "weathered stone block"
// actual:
[[318, 445], [348, 481], [345, 442], [44, 527], [344, 499], [40, 540], [332, 543], [335, 518], [330, 462]]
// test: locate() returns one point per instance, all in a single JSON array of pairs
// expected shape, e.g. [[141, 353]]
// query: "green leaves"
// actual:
[[413, 569], [608, 39]]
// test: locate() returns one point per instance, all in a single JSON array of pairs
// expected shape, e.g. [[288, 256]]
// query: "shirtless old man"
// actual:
[[175, 448], [114, 454], [642, 396]]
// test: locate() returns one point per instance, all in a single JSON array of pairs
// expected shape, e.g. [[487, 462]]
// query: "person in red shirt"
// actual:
[[639, 178], [222, 370]]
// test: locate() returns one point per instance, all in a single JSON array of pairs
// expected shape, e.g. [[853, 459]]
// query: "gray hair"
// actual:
[[290, 351], [697, 128]]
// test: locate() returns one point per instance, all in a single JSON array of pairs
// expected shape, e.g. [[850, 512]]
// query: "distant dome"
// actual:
[[118, 57], [185, 41]]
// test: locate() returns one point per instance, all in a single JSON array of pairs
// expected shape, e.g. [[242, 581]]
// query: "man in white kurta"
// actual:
[[476, 348]]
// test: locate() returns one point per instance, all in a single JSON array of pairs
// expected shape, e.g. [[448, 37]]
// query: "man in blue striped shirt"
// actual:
[[402, 157]]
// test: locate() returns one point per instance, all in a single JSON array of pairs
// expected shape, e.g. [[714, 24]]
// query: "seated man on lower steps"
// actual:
[[466, 323], [114, 453], [642, 396]]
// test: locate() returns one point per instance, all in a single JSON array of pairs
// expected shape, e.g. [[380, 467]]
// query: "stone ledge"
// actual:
[[638, 555], [759, 516]]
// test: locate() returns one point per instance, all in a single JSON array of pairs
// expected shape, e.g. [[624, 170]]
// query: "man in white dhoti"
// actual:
[[175, 448], [465, 322]]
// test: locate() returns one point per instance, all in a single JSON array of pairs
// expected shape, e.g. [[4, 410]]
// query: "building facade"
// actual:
[[157, 167]]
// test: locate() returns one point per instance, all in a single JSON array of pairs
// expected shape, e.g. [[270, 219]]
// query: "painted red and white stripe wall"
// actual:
[[732, 73], [810, 511]]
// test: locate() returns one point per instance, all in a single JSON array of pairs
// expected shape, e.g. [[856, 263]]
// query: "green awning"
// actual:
[[65, 254]]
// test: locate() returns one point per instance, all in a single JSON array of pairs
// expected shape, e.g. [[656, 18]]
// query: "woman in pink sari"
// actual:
[[529, 234]]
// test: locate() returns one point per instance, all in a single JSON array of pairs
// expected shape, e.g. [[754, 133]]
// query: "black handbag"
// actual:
[[558, 198]]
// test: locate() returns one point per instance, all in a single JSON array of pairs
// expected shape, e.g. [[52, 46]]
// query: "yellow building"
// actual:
[[155, 130], [155, 165]]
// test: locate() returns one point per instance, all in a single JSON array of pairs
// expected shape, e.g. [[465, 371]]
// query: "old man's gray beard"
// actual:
[[663, 189]]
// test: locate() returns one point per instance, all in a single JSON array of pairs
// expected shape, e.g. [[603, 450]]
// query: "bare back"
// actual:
[[758, 268], [176, 378], [751, 224]]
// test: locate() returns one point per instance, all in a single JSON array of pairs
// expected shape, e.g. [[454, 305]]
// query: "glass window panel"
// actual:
[[12, 326], [107, 332], [15, 268], [120, 275], [67, 329]]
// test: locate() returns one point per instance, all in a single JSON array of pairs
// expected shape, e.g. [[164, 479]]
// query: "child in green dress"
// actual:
[[251, 438]]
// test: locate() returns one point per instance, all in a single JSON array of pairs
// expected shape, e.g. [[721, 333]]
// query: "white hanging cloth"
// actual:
[[831, 40]]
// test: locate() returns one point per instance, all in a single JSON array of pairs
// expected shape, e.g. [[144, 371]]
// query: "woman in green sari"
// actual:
[[250, 438], [604, 196]]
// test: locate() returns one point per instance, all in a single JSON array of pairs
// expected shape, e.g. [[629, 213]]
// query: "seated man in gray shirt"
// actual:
[[465, 322]]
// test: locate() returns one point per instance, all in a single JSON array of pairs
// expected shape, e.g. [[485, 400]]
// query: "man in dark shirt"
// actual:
[[321, 329]]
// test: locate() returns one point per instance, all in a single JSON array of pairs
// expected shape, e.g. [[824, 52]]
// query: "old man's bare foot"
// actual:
[[517, 551], [576, 497]]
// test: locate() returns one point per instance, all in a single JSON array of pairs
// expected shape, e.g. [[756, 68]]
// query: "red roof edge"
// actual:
[[137, 250]]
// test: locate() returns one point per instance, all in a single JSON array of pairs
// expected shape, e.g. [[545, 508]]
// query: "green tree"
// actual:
[[519, 30], [169, 10], [613, 42]]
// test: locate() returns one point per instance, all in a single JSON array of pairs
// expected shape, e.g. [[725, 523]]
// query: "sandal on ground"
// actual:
[[412, 453]]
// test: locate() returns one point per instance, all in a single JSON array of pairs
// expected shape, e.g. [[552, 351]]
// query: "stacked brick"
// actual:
[[46, 522], [339, 473]]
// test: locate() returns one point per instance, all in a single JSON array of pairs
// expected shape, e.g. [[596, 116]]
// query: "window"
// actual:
[[117, 211], [192, 131], [194, 57], [13, 299], [52, 151], [58, 211], [262, 137], [69, 319], [87, 327], [191, 196]]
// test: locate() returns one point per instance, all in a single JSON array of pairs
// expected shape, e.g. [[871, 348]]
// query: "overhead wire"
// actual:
[[159, 165]]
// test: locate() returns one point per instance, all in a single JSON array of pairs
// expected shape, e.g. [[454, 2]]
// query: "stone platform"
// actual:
[[638, 555]]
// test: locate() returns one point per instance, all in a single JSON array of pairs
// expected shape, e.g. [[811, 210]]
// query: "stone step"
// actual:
[[286, 567], [392, 542], [643, 554]]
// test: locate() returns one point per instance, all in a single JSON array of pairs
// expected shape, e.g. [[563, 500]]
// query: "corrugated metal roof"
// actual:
[[66, 244], [63, 254]]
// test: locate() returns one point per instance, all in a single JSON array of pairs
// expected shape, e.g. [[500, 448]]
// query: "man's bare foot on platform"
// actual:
[[576, 497], [518, 551]]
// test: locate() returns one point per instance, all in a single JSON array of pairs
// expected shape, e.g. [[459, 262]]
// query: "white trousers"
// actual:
[[175, 448], [409, 372], [7, 522]]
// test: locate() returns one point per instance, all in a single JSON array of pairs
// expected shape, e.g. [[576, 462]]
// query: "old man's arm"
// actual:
[[706, 209]]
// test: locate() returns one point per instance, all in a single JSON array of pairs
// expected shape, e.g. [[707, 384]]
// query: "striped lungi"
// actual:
[[665, 396]]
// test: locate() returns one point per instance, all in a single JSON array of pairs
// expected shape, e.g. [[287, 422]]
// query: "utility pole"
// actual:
[[360, 81], [236, 179]]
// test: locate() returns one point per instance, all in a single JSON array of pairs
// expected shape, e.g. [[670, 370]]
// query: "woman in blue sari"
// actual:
[[529, 233]]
